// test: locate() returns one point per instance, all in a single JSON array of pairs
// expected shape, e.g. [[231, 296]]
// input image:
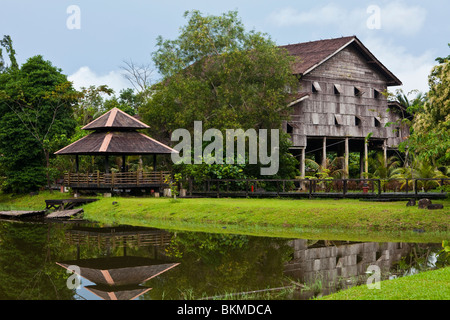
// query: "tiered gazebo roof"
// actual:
[[115, 133]]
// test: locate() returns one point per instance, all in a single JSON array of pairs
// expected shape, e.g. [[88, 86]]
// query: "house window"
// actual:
[[358, 92], [316, 87], [338, 119], [337, 89], [377, 123], [289, 129], [376, 94], [357, 121]]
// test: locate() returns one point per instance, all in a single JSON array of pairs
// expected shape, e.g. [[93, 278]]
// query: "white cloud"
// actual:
[[412, 70], [330, 14], [395, 17], [85, 77], [402, 18]]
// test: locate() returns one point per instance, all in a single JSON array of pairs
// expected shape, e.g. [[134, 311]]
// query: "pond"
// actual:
[[38, 260]]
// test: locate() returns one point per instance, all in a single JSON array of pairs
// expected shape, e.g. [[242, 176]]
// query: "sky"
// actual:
[[91, 40]]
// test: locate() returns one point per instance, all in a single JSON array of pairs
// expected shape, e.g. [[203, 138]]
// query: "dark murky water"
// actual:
[[125, 262]]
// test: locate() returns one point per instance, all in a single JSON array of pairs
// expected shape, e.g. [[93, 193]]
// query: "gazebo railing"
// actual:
[[128, 179]]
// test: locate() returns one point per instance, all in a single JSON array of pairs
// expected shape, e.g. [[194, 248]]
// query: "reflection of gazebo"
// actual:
[[115, 134], [119, 277]]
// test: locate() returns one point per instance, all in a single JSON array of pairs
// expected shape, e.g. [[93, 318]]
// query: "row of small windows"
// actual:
[[337, 89], [357, 121]]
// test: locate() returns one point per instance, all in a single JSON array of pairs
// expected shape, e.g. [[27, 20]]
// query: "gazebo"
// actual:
[[115, 133]]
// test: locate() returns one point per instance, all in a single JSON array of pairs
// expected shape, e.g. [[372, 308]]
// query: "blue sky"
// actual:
[[409, 36]]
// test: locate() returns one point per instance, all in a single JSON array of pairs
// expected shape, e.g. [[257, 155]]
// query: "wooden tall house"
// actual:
[[340, 101]]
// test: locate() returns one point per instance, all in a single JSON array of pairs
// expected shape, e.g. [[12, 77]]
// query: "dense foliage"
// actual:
[[431, 139], [220, 74], [36, 119], [215, 72]]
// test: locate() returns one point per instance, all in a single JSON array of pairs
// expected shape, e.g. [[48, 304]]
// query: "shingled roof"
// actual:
[[119, 271], [116, 134], [115, 143], [115, 119], [314, 53]]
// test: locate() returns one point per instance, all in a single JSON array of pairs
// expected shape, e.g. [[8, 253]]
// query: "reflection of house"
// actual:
[[341, 260], [340, 100], [118, 277]]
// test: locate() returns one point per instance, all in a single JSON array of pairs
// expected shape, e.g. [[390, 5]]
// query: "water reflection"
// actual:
[[124, 262], [335, 265], [118, 277]]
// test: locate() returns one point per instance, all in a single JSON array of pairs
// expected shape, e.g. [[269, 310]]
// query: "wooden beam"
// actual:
[[346, 158], [324, 152], [124, 163], [366, 159], [302, 163], [106, 164]]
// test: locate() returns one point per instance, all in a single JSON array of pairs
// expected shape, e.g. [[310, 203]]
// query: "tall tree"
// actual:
[[218, 73], [36, 119], [6, 43], [430, 138]]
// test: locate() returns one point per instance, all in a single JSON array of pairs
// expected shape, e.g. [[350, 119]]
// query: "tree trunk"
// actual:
[[47, 167]]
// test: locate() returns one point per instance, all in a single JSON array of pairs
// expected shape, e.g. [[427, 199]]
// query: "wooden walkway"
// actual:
[[64, 214], [21, 214], [63, 209], [66, 204]]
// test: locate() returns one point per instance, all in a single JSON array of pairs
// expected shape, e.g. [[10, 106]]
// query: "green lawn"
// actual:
[[429, 285], [339, 219]]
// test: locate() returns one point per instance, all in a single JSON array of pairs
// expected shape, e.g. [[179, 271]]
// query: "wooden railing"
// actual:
[[334, 188], [116, 179]]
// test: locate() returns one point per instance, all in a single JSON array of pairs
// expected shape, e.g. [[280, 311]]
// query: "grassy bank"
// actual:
[[327, 219], [429, 285]]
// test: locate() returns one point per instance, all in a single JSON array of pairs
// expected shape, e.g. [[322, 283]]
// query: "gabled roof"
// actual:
[[313, 54], [115, 119]]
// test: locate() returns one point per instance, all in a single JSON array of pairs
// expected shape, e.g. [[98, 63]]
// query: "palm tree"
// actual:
[[331, 169], [411, 105], [383, 168], [420, 170]]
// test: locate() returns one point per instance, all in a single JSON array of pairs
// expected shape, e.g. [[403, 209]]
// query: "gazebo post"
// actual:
[[106, 164], [154, 162], [124, 163], [77, 164]]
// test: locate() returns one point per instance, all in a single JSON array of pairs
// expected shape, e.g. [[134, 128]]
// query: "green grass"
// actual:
[[429, 285], [347, 219], [27, 202], [311, 218]]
